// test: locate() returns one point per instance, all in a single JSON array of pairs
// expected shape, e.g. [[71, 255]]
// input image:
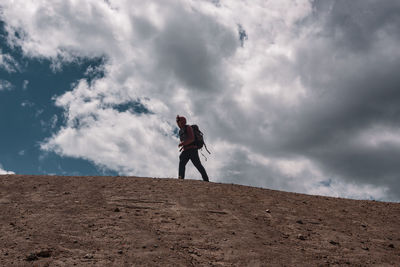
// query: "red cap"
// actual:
[[180, 118]]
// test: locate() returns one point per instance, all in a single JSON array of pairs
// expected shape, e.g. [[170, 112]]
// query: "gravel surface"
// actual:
[[130, 221]]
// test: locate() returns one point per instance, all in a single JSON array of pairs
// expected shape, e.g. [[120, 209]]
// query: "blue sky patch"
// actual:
[[135, 107], [28, 114]]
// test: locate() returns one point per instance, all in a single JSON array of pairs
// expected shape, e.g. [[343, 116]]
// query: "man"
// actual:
[[189, 148]]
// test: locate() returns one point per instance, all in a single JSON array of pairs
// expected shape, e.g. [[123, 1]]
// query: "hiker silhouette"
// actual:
[[190, 149]]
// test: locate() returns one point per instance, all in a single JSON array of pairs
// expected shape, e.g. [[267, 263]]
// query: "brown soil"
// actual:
[[128, 221]]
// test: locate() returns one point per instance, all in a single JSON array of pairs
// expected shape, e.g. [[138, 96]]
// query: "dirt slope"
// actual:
[[127, 221]]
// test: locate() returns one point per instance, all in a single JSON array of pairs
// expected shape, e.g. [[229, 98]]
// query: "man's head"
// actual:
[[181, 121]]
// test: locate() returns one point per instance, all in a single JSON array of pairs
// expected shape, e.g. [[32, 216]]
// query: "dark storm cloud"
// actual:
[[347, 105], [355, 24], [351, 69], [241, 170], [192, 47]]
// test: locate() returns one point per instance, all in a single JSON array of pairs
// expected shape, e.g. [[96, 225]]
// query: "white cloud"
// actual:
[[2, 171], [337, 188], [27, 104], [25, 84], [254, 102], [132, 145], [8, 63], [380, 135], [5, 85]]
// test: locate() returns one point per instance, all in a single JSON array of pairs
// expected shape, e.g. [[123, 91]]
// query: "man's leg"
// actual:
[[194, 157], [183, 160]]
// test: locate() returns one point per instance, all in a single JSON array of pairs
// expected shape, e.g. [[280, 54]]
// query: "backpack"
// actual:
[[199, 138]]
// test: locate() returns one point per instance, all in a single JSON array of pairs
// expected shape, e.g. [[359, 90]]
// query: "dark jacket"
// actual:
[[187, 138]]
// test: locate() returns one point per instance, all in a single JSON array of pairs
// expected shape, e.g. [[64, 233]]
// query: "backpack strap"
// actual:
[[207, 148], [203, 155]]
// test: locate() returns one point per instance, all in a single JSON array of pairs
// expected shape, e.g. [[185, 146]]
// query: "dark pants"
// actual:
[[193, 155]]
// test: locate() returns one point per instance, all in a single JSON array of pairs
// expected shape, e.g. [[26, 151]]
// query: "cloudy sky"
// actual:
[[294, 95]]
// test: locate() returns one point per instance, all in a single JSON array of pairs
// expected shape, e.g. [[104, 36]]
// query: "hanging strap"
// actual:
[[201, 151], [207, 148], [203, 155]]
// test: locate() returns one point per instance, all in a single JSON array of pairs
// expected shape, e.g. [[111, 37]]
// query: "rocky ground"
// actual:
[[128, 221]]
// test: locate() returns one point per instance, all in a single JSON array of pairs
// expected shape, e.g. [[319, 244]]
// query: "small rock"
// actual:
[[75, 242], [44, 254], [31, 257], [299, 222], [334, 243], [88, 256], [301, 237], [391, 246], [267, 211], [6, 254], [117, 210], [284, 235], [120, 252], [365, 248], [363, 225]]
